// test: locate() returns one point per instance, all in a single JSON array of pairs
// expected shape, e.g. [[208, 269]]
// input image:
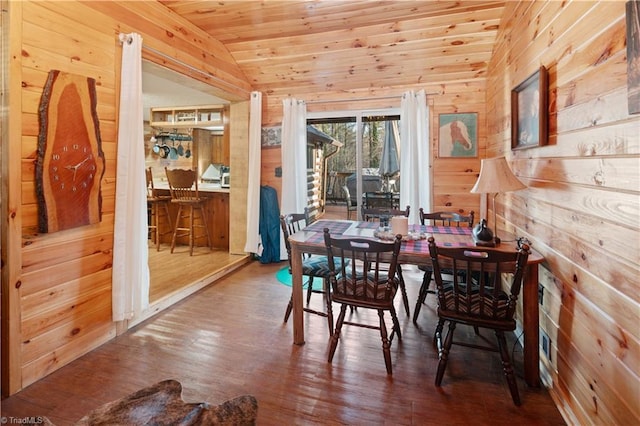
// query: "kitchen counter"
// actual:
[[202, 186], [217, 212]]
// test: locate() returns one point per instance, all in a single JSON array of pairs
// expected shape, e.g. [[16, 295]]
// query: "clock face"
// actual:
[[72, 169]]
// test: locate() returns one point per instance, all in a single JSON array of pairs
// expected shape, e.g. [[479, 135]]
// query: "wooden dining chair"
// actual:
[[183, 185], [378, 200], [384, 215], [364, 284], [157, 205], [313, 266], [475, 297], [352, 205], [437, 219]]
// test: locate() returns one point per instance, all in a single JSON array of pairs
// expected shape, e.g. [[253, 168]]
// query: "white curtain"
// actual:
[[252, 244], [130, 253], [294, 160], [415, 181]]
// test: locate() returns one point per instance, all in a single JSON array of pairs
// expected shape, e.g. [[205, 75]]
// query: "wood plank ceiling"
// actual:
[[296, 46]]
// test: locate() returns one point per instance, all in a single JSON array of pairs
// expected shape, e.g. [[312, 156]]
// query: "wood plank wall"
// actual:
[[57, 302], [582, 207], [453, 177]]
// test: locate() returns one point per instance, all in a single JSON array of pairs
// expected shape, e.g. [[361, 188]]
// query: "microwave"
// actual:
[[225, 180]]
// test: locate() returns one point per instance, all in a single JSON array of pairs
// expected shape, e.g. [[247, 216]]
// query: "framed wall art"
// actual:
[[529, 111], [458, 135]]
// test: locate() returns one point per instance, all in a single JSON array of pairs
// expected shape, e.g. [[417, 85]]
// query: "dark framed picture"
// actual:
[[458, 135], [529, 111]]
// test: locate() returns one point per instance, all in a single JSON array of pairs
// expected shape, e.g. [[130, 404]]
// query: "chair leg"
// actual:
[[166, 211], [206, 226], [165, 208], [327, 296], [386, 344], [287, 312], [403, 289], [396, 323], [422, 294], [443, 353], [309, 290], [437, 336], [507, 367], [333, 342], [190, 230], [175, 229]]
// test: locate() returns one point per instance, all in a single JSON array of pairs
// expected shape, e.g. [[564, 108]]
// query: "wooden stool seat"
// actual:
[[183, 185]]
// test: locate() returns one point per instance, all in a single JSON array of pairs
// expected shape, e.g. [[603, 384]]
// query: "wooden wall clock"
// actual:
[[70, 162]]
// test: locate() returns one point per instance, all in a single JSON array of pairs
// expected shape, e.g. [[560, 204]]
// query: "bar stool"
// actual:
[[157, 205], [183, 184]]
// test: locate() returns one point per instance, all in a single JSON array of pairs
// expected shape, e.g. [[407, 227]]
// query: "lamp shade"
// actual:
[[496, 177]]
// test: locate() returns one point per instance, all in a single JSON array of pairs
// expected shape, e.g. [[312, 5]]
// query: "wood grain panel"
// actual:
[[581, 209], [66, 351], [603, 110], [44, 278], [271, 158], [622, 207], [251, 23], [58, 296], [589, 257], [616, 346], [602, 172], [39, 322], [90, 318], [40, 252]]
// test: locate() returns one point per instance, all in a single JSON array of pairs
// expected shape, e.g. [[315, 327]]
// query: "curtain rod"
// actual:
[[372, 98], [192, 68], [126, 38]]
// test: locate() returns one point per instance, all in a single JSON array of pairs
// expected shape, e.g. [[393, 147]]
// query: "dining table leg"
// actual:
[[296, 295], [530, 311]]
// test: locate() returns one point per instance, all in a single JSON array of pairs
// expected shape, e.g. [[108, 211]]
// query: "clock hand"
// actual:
[[80, 163], [75, 168]]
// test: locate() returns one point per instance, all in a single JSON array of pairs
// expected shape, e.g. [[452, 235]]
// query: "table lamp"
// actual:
[[495, 177]]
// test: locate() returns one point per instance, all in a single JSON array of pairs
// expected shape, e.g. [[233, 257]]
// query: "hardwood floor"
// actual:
[[229, 339], [172, 272]]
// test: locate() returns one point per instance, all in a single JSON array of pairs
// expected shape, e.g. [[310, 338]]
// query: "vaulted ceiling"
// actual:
[[297, 46]]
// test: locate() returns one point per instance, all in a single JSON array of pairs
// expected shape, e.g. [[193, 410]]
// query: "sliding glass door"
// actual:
[[369, 158]]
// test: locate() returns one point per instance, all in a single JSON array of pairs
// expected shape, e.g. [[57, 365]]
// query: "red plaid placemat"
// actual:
[[455, 230], [426, 229], [317, 238], [335, 227], [422, 246]]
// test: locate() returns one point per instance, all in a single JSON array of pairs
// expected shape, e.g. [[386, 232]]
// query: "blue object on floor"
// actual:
[[284, 277]]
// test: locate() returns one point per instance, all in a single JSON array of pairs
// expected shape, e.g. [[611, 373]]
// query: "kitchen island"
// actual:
[[217, 210]]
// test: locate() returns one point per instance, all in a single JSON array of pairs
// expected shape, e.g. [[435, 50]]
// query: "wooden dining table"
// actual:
[[311, 240]]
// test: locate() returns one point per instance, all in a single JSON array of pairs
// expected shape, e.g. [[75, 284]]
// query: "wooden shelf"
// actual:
[[187, 117]]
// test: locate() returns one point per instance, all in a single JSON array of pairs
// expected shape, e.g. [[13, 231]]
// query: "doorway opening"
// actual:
[[175, 275]]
